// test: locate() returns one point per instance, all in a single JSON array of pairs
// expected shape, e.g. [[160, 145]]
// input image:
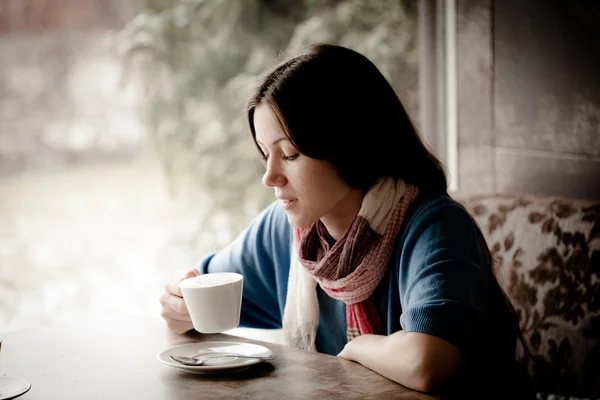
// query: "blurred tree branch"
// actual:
[[198, 61]]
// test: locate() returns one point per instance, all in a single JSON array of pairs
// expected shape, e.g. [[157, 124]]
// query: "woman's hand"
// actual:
[[349, 351], [174, 311]]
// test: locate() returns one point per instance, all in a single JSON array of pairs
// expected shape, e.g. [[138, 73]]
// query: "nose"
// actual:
[[273, 176]]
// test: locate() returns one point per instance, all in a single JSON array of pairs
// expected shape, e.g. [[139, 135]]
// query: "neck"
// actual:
[[338, 221]]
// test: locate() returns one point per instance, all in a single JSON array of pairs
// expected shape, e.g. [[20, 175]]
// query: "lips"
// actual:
[[283, 198], [287, 202]]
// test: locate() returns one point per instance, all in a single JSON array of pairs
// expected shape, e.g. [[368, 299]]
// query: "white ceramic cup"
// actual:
[[213, 300]]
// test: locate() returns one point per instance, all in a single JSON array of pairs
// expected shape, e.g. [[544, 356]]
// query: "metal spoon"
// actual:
[[194, 361]]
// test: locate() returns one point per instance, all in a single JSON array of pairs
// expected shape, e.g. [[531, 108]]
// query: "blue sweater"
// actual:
[[437, 283]]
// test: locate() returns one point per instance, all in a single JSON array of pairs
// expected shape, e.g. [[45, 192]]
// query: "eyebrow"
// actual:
[[276, 141]]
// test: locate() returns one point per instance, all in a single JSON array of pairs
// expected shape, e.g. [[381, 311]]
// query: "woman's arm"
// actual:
[[416, 360], [444, 288]]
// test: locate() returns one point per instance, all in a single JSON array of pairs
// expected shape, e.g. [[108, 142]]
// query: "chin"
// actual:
[[299, 223]]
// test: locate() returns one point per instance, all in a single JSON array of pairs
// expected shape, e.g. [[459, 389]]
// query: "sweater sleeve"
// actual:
[[444, 284], [261, 253]]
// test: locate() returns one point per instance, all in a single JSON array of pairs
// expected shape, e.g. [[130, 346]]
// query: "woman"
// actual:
[[364, 254]]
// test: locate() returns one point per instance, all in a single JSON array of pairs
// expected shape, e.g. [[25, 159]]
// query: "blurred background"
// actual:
[[124, 156]]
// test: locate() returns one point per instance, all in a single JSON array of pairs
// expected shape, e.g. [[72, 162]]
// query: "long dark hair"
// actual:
[[334, 104]]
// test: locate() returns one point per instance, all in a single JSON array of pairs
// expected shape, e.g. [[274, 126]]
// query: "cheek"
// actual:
[[322, 184], [311, 182]]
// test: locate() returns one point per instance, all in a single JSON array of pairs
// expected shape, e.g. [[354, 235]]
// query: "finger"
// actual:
[[169, 314], [173, 286], [191, 274], [176, 304]]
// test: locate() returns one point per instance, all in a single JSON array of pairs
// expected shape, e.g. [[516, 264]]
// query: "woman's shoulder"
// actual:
[[432, 218], [429, 207]]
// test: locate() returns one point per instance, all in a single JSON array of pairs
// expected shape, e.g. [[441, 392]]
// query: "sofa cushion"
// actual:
[[547, 260]]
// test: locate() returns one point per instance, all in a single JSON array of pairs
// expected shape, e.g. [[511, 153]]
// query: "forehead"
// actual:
[[266, 126]]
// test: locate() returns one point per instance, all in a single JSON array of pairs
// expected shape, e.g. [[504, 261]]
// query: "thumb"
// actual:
[[191, 274]]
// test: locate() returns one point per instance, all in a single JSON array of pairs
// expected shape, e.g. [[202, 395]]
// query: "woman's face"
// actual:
[[308, 189]]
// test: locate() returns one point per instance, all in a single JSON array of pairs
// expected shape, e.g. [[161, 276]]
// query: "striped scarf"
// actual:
[[348, 270]]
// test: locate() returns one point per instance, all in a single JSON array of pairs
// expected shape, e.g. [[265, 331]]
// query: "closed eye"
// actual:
[[290, 158], [265, 157]]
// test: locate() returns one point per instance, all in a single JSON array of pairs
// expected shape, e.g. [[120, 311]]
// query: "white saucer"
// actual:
[[11, 387], [217, 365]]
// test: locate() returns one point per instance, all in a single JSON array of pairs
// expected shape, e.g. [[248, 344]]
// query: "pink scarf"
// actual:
[[348, 270]]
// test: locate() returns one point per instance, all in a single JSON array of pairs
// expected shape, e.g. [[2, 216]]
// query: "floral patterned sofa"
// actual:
[[547, 259]]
